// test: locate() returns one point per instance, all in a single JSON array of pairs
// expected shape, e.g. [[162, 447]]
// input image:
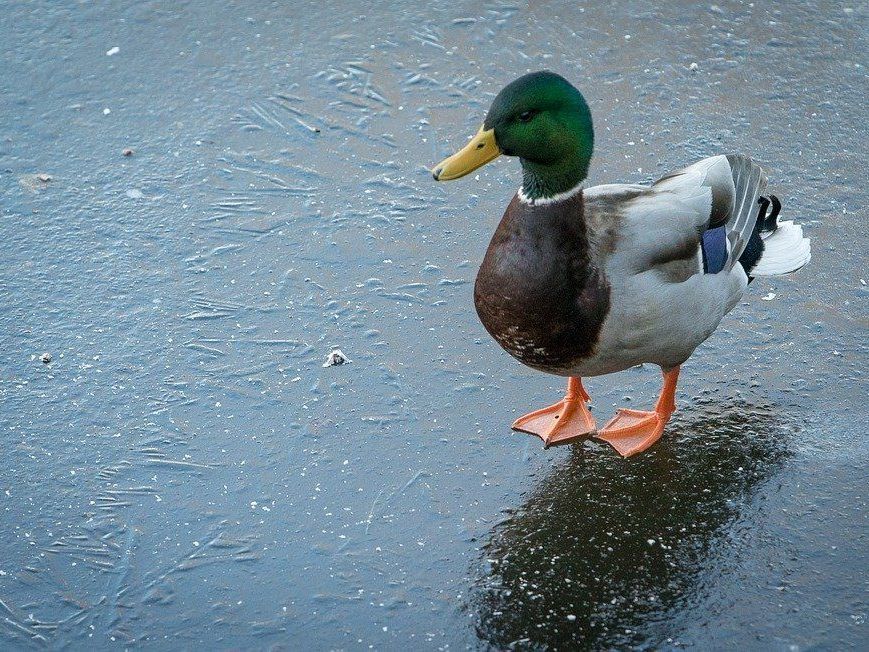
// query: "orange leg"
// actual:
[[633, 431], [562, 423]]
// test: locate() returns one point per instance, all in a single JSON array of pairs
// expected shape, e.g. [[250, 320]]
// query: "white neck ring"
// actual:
[[542, 201]]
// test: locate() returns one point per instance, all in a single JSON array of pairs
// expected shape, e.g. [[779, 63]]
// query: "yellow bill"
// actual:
[[475, 154]]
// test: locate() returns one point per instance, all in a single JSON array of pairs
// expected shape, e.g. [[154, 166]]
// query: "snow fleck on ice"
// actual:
[[336, 357]]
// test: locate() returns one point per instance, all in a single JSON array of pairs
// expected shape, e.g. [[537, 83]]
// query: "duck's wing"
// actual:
[[637, 229], [724, 192], [713, 202]]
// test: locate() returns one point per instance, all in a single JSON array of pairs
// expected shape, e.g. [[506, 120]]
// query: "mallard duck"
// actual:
[[583, 282]]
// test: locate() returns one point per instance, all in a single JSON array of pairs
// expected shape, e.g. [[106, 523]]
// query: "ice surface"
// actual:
[[185, 474]]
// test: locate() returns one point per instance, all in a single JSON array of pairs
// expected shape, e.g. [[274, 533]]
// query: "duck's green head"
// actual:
[[542, 119]]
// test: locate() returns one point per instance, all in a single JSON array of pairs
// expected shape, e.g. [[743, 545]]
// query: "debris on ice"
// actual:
[[336, 357]]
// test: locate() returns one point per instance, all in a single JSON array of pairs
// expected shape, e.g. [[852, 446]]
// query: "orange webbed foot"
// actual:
[[563, 422], [633, 431]]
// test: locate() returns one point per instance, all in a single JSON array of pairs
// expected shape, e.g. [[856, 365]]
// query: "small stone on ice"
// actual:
[[45, 178], [45, 357], [336, 357], [127, 152]]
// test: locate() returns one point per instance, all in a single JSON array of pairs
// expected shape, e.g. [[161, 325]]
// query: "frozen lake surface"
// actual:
[[184, 472]]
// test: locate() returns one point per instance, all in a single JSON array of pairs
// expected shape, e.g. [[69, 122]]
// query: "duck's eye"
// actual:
[[526, 116]]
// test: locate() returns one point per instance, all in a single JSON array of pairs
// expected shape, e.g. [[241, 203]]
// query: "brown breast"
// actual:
[[538, 291]]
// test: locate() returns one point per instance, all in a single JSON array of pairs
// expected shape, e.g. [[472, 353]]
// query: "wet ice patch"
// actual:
[[35, 183]]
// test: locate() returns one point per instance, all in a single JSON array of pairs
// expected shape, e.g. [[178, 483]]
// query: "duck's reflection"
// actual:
[[606, 550]]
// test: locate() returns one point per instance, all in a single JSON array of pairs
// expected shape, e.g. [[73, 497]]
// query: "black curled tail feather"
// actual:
[[770, 222], [764, 224]]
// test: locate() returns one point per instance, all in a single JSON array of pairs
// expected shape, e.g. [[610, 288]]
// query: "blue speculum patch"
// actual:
[[714, 246]]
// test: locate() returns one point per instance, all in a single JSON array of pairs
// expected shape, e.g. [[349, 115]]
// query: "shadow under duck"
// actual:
[[583, 282]]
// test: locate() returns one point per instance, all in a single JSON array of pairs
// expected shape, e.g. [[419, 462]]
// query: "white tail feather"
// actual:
[[785, 250]]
